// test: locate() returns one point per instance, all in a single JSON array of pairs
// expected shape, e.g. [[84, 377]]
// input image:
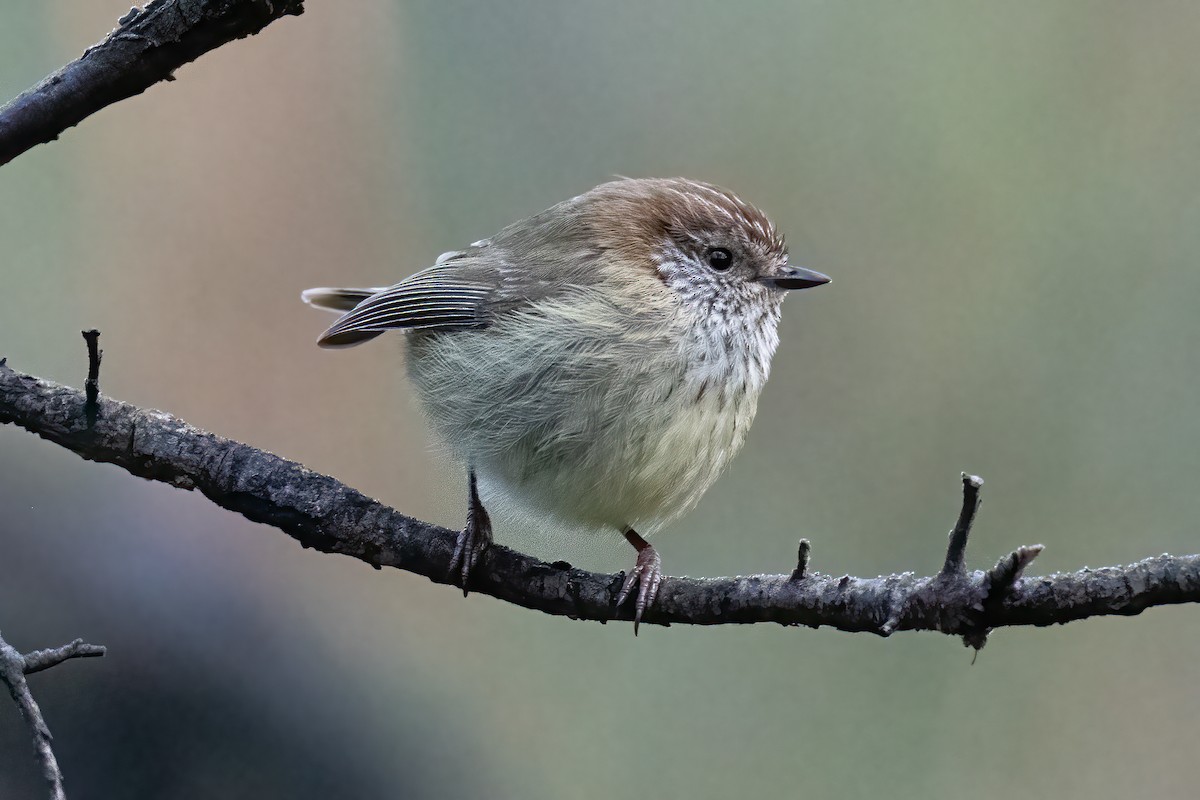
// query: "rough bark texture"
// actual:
[[146, 47], [323, 514]]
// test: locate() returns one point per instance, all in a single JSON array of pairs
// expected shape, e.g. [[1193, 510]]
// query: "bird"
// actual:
[[598, 363]]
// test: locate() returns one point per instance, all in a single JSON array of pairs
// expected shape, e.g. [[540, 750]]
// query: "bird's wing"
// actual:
[[469, 288], [443, 297]]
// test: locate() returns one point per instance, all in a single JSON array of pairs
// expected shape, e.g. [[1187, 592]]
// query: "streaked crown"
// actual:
[[646, 213]]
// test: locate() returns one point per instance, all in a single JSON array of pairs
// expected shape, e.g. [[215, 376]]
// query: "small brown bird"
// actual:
[[599, 362]]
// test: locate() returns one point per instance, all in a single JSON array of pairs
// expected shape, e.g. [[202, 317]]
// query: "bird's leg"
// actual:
[[475, 537], [646, 575]]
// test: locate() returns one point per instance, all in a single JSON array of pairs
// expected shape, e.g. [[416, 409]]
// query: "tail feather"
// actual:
[[340, 300], [336, 299]]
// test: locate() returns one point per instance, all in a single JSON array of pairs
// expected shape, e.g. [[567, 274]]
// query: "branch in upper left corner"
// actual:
[[146, 47]]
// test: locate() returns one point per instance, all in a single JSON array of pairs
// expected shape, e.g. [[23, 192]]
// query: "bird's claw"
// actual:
[[475, 537], [472, 541], [647, 576]]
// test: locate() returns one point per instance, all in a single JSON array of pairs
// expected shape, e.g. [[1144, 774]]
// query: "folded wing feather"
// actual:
[[435, 298]]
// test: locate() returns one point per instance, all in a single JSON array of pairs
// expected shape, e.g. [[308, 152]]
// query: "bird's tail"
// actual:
[[336, 299], [340, 300]]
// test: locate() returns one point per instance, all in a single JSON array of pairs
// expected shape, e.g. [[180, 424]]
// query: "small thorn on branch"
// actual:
[[1001, 578], [998, 582], [92, 385], [801, 561], [956, 551]]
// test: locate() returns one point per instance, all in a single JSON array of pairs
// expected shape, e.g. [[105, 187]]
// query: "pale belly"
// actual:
[[643, 471], [620, 434]]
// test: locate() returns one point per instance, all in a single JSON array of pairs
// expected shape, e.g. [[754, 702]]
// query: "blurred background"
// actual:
[[1006, 197]]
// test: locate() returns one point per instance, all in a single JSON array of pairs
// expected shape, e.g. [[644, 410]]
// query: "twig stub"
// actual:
[[802, 554], [998, 584], [956, 550], [92, 385]]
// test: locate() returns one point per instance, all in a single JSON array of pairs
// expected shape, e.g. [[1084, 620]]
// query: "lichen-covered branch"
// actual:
[[326, 515], [13, 669], [146, 47]]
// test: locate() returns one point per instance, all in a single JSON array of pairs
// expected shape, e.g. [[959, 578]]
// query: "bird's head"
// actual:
[[720, 255]]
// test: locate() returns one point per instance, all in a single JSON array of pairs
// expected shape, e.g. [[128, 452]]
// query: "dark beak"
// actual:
[[795, 278]]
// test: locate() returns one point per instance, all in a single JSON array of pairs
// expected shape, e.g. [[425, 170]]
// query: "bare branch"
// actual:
[[13, 669], [40, 660], [326, 515], [146, 47]]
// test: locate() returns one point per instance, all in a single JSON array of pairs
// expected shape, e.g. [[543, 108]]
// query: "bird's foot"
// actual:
[[475, 537], [646, 575]]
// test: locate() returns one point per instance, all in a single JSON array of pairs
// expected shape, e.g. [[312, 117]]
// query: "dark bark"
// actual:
[[323, 514], [146, 47]]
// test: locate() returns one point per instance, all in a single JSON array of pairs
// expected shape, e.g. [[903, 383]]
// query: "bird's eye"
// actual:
[[720, 259]]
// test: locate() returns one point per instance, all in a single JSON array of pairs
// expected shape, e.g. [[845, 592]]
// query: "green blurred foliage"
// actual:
[[1006, 197]]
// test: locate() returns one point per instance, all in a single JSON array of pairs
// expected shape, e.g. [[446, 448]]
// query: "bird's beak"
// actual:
[[794, 278]]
